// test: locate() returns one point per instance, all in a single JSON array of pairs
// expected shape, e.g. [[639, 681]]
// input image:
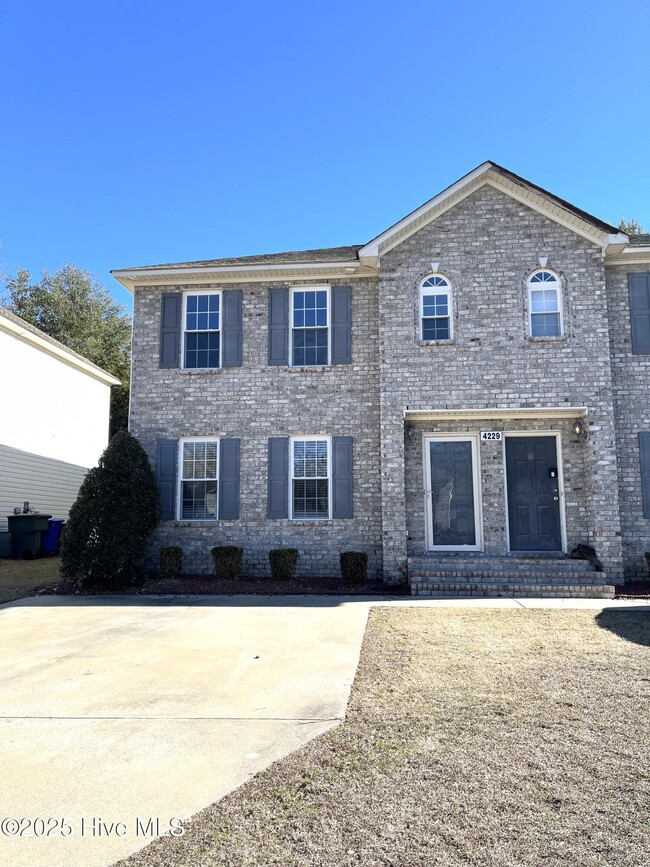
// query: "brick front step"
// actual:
[[481, 575], [477, 561], [507, 576], [510, 590]]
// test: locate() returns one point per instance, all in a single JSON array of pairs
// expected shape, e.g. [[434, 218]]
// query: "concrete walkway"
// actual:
[[115, 711]]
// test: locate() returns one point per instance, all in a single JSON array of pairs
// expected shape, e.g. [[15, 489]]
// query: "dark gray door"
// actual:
[[533, 494], [452, 494]]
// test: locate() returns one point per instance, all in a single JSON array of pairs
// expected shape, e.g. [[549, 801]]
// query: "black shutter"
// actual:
[[170, 329], [278, 492], [341, 325], [639, 287], [229, 461], [342, 478], [644, 457], [279, 326], [231, 328], [166, 464]]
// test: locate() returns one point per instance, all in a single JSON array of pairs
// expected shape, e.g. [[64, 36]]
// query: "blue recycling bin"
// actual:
[[52, 535]]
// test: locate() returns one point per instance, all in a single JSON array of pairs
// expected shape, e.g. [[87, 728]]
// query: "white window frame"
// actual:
[[195, 293], [180, 479], [311, 438], [436, 290], [320, 288], [536, 287]]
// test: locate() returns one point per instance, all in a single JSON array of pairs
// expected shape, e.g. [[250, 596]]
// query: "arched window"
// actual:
[[544, 304], [435, 308]]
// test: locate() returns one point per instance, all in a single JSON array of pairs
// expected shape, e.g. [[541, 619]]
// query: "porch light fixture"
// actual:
[[578, 428], [410, 432]]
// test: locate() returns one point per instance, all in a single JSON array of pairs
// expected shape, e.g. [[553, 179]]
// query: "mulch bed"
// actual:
[[633, 590], [191, 585]]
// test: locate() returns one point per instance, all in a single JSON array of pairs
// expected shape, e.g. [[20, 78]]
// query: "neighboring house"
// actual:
[[53, 420], [468, 389]]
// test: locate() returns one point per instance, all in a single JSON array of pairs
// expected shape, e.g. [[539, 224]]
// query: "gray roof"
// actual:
[[294, 257], [640, 240], [7, 314]]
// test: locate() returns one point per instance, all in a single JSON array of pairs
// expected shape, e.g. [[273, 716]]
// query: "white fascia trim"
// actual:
[[249, 273], [499, 412], [62, 354], [372, 247], [536, 202]]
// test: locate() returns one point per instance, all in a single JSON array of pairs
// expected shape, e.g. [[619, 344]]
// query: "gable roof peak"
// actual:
[[490, 172]]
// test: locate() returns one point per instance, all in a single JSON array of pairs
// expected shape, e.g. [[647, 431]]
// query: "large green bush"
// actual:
[[354, 566], [104, 539]]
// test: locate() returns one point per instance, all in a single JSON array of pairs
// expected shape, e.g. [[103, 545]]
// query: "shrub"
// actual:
[[227, 562], [171, 562], [104, 539], [354, 565], [283, 563]]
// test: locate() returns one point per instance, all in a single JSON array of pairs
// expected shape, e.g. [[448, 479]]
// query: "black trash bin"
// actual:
[[27, 534]]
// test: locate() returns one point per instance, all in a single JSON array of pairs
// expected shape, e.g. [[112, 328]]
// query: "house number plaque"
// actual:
[[492, 436]]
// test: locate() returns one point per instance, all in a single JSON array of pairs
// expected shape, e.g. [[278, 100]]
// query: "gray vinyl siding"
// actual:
[[50, 486]]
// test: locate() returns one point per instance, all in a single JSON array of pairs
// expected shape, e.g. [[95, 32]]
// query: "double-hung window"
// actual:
[[544, 304], [198, 479], [310, 327], [435, 308], [310, 479], [201, 330]]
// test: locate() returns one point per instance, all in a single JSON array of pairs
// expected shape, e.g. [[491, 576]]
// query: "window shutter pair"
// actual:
[[340, 325], [341, 472], [228, 483], [171, 315], [639, 288]]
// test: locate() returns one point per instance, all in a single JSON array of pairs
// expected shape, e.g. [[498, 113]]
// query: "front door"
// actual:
[[533, 493], [452, 508]]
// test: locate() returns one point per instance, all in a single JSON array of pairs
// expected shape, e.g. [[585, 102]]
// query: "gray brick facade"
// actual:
[[255, 402], [486, 246], [631, 378]]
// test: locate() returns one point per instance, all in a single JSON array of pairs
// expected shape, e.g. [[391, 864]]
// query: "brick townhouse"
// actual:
[[465, 397]]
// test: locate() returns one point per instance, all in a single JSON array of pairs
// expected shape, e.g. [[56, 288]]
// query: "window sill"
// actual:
[[425, 343], [199, 371], [561, 338], [207, 523], [314, 368], [326, 522]]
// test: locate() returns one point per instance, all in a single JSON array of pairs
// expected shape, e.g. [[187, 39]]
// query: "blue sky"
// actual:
[[136, 133]]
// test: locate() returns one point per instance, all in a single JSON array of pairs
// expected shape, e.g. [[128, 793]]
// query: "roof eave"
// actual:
[[59, 352], [242, 273]]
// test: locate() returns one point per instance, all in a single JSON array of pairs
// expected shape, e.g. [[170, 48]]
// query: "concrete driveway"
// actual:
[[116, 712]]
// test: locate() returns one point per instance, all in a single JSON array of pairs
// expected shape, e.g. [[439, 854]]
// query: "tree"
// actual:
[[104, 539], [76, 310], [631, 227]]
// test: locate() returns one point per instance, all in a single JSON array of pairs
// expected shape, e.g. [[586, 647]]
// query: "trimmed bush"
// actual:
[[104, 540], [171, 562], [354, 566], [227, 562], [283, 563]]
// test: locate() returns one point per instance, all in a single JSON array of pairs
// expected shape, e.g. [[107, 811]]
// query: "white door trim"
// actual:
[[560, 481], [472, 438]]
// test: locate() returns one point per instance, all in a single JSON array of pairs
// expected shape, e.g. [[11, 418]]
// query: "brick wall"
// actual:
[[255, 402], [631, 380], [487, 246]]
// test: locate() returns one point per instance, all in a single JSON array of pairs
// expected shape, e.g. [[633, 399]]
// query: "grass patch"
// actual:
[[490, 738], [20, 578]]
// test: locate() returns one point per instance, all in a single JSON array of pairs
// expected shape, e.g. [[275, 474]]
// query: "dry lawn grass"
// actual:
[[473, 737], [21, 577]]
